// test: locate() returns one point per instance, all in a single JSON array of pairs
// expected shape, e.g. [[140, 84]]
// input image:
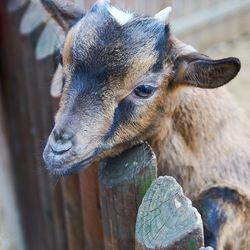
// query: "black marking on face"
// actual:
[[161, 47], [124, 113], [104, 53], [115, 43], [85, 77], [141, 31]]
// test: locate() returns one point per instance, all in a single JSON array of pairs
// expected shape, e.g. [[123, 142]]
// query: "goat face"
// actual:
[[120, 73]]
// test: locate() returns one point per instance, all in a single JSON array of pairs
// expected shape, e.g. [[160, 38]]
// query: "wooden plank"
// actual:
[[58, 213], [166, 219], [123, 183], [29, 113], [92, 227], [73, 213]]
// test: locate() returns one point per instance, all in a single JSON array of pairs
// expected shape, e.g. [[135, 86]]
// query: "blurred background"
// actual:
[[38, 211]]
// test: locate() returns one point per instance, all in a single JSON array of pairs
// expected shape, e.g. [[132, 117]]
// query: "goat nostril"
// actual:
[[61, 136], [61, 141]]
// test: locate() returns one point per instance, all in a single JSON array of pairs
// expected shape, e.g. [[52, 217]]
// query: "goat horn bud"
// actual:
[[104, 1], [164, 15]]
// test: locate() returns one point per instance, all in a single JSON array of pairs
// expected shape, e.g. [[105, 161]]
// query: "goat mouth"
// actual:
[[70, 169]]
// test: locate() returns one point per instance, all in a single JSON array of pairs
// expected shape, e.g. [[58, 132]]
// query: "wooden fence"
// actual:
[[166, 220], [85, 211]]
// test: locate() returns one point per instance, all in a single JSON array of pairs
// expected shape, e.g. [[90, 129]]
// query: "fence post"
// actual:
[[166, 219], [73, 213], [92, 226], [123, 182]]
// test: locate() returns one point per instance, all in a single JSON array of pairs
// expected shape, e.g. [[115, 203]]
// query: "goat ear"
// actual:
[[56, 87], [199, 70], [66, 13]]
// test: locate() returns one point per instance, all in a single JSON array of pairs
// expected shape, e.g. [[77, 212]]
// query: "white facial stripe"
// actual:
[[164, 15], [120, 16]]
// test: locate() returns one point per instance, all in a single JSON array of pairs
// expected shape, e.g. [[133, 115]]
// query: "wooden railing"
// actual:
[[131, 209], [128, 184]]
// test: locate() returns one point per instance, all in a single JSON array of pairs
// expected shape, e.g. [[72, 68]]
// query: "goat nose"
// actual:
[[61, 142], [61, 135]]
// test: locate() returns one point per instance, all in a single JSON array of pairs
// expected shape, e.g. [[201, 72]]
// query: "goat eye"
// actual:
[[144, 91]]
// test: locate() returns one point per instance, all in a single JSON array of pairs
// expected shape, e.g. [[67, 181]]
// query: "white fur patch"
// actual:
[[104, 1], [120, 16], [164, 15]]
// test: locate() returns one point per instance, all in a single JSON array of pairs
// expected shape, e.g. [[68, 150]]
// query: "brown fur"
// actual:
[[208, 132], [67, 58], [206, 143]]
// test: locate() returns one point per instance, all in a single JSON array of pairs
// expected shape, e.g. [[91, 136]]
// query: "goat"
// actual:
[[127, 79]]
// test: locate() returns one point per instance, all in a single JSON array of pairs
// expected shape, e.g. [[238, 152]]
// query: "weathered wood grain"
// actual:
[[73, 213], [92, 226], [123, 182], [166, 219]]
